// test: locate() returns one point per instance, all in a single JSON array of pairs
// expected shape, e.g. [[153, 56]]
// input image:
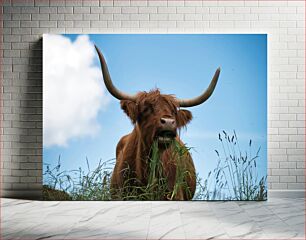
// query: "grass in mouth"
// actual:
[[95, 184]]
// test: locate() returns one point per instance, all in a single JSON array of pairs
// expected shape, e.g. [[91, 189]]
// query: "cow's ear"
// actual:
[[130, 108], [183, 117]]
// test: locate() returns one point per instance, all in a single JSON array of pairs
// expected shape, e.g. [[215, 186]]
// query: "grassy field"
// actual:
[[234, 178]]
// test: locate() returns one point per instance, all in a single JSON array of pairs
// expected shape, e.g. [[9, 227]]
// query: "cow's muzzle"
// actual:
[[167, 131]]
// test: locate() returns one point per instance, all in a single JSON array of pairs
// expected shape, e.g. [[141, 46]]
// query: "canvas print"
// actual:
[[154, 117]]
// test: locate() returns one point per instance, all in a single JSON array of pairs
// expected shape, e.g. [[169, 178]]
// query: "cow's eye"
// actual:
[[147, 109]]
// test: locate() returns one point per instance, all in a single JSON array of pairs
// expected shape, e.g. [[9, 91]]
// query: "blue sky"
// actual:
[[181, 64]]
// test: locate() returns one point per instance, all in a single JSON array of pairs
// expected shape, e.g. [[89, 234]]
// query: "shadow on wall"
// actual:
[[29, 125]]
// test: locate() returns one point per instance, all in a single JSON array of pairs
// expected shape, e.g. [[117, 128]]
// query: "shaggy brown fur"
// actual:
[[133, 149]]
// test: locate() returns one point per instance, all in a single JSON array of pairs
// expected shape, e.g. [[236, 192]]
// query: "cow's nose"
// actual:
[[167, 122]]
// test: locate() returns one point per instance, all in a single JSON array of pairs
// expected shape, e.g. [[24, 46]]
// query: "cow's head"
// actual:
[[158, 116]]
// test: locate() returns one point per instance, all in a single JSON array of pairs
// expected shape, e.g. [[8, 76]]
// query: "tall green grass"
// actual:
[[95, 184], [234, 178], [78, 184]]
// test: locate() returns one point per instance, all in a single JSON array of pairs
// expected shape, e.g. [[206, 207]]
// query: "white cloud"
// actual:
[[73, 89]]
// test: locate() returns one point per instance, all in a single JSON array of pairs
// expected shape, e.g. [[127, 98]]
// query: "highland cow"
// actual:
[[156, 117]]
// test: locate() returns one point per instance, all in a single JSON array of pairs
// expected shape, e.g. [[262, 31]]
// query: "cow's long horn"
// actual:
[[204, 96], [108, 81]]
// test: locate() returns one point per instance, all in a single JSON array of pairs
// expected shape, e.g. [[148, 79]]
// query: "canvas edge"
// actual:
[[37, 194]]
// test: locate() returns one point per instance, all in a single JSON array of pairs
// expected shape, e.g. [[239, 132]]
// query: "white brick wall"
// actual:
[[25, 20]]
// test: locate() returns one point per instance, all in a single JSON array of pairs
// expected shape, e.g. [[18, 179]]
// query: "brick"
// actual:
[[59, 3], [287, 179], [296, 186], [74, 3], [21, 31], [11, 24], [147, 9], [242, 10], [228, 17], [176, 17], [11, 53], [210, 17], [112, 10], [159, 17], [6, 16], [176, 3], [29, 24], [222, 24], [166, 10], [193, 3], [30, 10], [96, 9], [296, 154], [20, 46], [279, 138], [280, 172], [91, 16], [65, 24], [19, 173], [25, 3], [81, 24], [300, 179], [129, 10], [119, 17], [41, 3], [277, 186], [113, 24], [167, 24], [48, 10], [21, 16], [27, 179], [231, 3], [242, 24], [138, 3], [190, 17], [122, 3], [98, 24], [130, 24], [287, 131], [296, 172], [81, 10], [95, 3], [185, 24], [287, 165], [185, 9], [291, 10], [140, 17], [40, 17], [104, 17], [217, 10], [296, 124], [158, 3], [6, 172], [202, 10], [10, 179], [11, 10], [73, 16], [148, 24], [57, 17], [300, 165], [289, 116], [64, 10]]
